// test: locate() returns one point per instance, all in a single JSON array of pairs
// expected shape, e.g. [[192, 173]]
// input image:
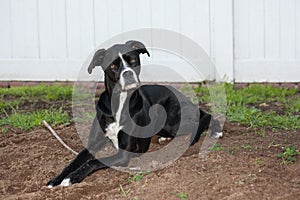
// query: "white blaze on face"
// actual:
[[125, 69], [125, 64]]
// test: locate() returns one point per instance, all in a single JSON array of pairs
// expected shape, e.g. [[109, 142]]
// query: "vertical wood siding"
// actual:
[[249, 40]]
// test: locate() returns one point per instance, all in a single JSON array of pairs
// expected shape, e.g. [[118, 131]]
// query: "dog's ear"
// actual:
[[97, 60], [138, 46]]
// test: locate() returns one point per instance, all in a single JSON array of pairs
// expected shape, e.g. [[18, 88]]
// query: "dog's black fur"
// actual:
[[140, 99]]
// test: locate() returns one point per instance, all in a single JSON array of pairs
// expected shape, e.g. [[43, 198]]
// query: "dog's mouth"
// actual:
[[131, 86], [129, 80]]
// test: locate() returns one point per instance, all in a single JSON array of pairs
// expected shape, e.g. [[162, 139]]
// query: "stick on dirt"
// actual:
[[58, 138]]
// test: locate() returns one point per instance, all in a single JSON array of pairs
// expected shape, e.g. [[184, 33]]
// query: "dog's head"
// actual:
[[120, 63]]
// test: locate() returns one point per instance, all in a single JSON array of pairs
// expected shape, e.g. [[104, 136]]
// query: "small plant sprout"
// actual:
[[258, 161], [138, 176], [216, 147], [182, 196], [289, 154]]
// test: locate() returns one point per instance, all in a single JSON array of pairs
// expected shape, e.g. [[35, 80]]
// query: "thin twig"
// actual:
[[58, 138]]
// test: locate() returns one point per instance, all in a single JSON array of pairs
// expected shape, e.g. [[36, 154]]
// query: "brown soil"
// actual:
[[247, 168]]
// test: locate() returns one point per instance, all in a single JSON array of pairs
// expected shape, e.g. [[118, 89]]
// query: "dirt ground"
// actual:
[[246, 168]]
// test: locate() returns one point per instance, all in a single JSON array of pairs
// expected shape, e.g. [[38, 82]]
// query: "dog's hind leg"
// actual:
[[204, 121]]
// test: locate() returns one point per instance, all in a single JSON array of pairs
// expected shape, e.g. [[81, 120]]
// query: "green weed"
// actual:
[[137, 176], [29, 121], [203, 93], [289, 155], [4, 129], [241, 105], [13, 99], [216, 147], [47, 92], [86, 116], [182, 196], [258, 161]]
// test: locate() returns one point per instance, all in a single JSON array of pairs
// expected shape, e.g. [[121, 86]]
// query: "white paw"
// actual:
[[50, 186], [218, 135], [66, 182], [162, 140]]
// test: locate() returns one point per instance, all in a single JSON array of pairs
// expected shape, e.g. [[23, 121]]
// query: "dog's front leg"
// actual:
[[81, 158], [121, 158], [96, 141]]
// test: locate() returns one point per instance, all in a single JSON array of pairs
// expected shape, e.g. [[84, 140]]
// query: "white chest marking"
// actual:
[[113, 129]]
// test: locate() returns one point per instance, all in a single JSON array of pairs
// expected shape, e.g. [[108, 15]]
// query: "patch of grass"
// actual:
[[257, 93], [258, 161], [4, 129], [182, 196], [216, 147], [254, 118], [203, 93], [138, 176], [29, 121], [16, 102], [243, 105], [47, 92], [289, 155], [86, 116], [189, 92], [8, 106], [293, 105]]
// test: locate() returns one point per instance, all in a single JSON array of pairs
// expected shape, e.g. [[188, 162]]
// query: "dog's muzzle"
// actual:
[[129, 79]]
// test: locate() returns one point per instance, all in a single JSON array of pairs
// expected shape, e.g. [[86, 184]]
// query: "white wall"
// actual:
[[249, 40], [267, 40]]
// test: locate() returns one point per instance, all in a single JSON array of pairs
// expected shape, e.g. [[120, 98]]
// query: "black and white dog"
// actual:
[[123, 91]]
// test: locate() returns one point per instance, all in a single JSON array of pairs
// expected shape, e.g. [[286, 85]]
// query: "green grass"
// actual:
[[12, 104], [244, 105], [247, 146], [29, 121], [289, 155], [15, 116], [50, 92], [137, 176], [85, 116], [258, 161], [182, 195], [216, 147]]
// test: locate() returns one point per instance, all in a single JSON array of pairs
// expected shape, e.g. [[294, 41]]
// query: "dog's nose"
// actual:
[[127, 74]]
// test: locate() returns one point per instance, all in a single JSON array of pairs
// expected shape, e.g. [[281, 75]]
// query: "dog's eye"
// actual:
[[113, 66], [132, 61]]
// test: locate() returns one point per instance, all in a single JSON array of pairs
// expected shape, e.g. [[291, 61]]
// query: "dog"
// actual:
[[121, 65]]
